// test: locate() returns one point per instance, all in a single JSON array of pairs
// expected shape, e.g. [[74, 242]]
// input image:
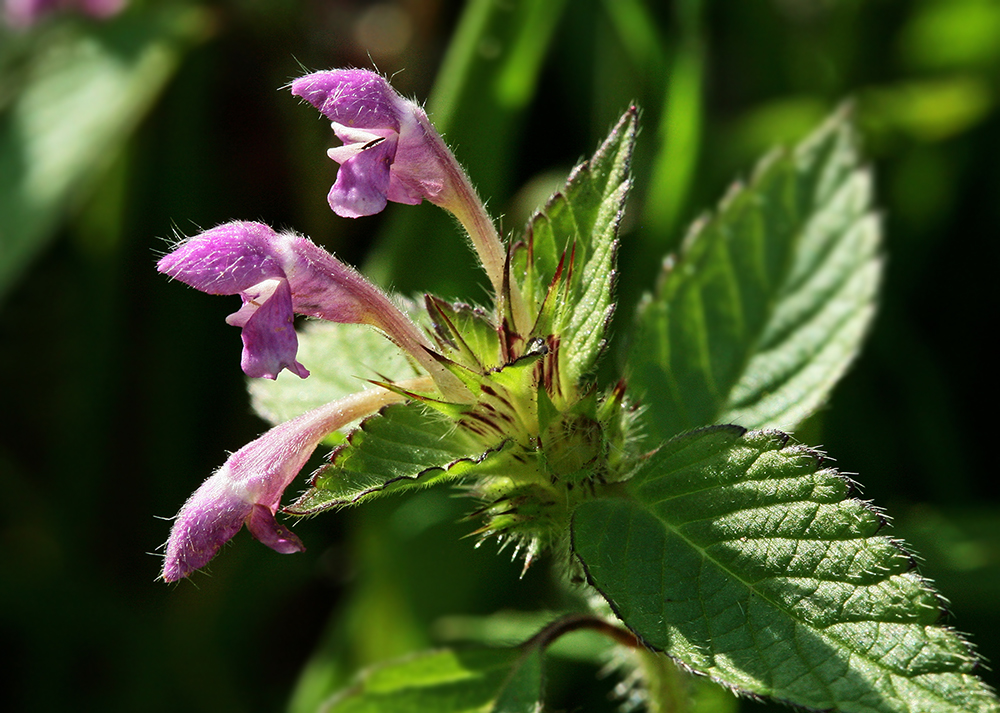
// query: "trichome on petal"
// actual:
[[391, 152], [248, 488], [279, 275]]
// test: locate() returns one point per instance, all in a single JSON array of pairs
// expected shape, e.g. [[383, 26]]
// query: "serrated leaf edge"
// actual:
[[687, 257], [472, 460], [972, 656]]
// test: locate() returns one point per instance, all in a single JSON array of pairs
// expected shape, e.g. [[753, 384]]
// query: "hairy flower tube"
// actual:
[[278, 275], [391, 152], [247, 489]]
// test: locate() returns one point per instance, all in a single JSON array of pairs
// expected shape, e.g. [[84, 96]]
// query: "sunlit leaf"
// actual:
[[769, 300], [746, 558], [445, 681], [341, 359], [578, 229], [402, 447]]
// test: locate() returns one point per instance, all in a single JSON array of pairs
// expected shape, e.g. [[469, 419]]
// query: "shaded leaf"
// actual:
[[522, 691], [508, 625], [677, 691], [770, 298], [445, 681], [465, 333], [744, 558]]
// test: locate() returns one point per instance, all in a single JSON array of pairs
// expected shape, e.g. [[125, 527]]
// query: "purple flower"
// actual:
[[278, 275], [390, 152], [247, 489], [24, 13]]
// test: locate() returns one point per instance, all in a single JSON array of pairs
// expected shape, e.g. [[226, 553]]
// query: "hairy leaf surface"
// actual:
[[745, 558], [770, 298], [580, 222], [404, 446]]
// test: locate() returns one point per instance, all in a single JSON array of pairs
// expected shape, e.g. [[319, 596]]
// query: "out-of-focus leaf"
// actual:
[[445, 681], [679, 132], [636, 27], [678, 691], [785, 120], [929, 110], [507, 627], [950, 34], [744, 558], [522, 691], [962, 547], [770, 298], [82, 95]]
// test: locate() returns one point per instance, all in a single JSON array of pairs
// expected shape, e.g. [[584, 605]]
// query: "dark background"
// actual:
[[121, 392]]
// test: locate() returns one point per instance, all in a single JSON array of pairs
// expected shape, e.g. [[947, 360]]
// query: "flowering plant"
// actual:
[[705, 539]]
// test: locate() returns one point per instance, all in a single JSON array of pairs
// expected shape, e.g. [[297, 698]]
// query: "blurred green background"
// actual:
[[121, 392]]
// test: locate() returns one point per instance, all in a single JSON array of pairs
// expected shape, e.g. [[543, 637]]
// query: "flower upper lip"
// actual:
[[391, 152], [280, 274], [388, 154]]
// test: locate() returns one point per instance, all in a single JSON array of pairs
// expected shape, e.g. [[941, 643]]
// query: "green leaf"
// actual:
[[445, 681], [770, 298], [402, 447], [674, 690], [522, 691], [82, 93], [744, 558], [465, 333], [501, 680], [340, 358], [581, 222]]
